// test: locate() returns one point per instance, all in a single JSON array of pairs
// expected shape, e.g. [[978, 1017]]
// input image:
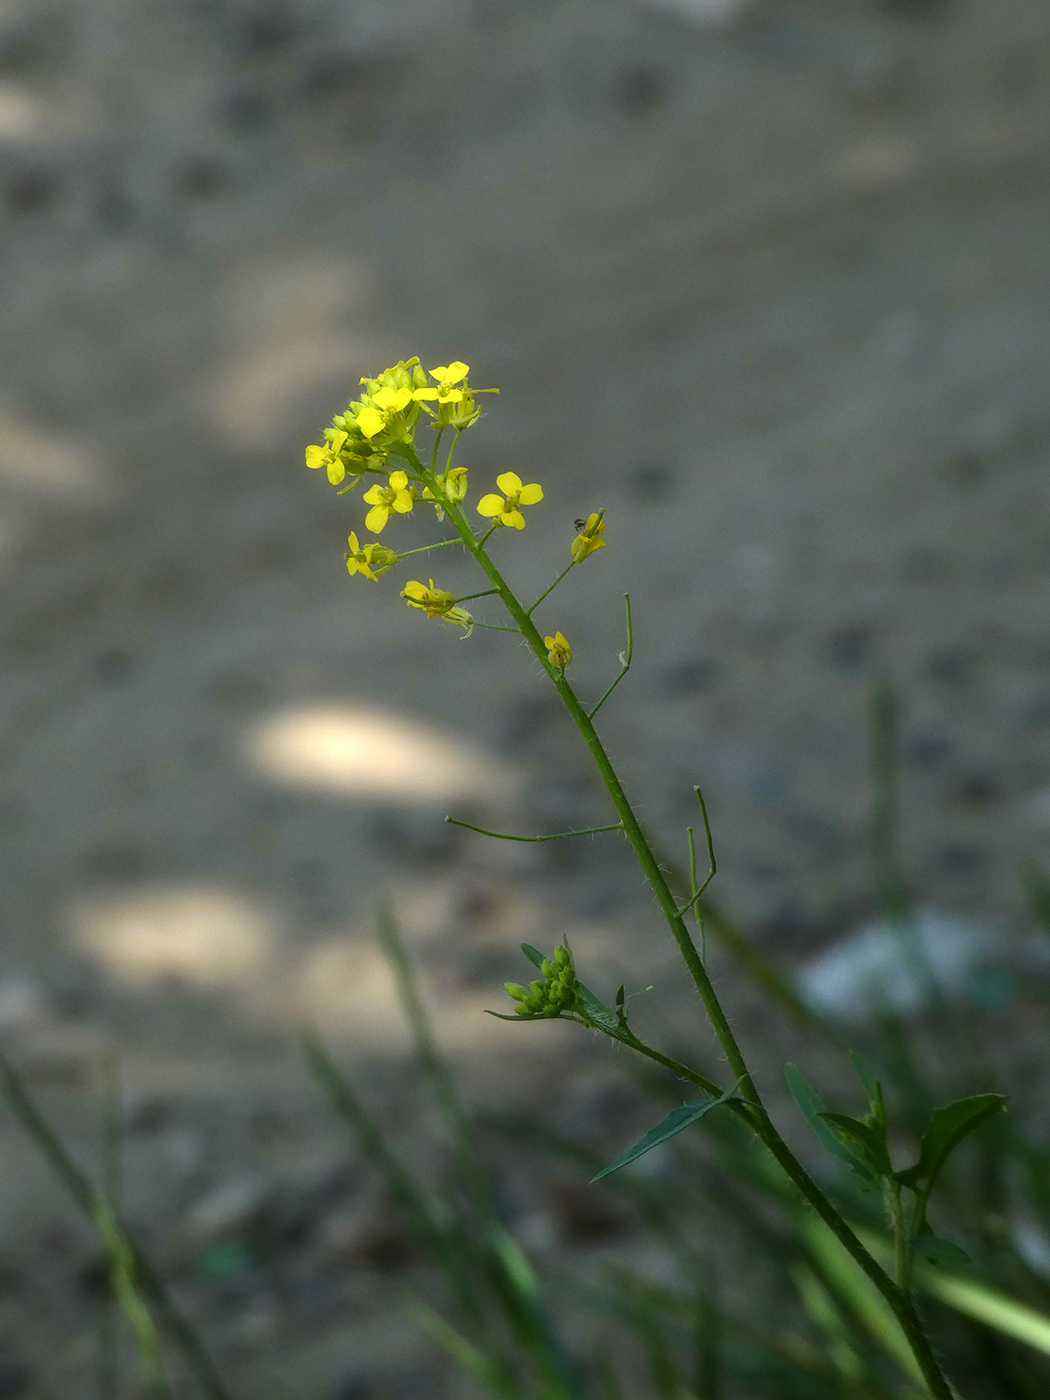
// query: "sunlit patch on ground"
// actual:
[[47, 463], [291, 323], [207, 937], [365, 753], [22, 115]]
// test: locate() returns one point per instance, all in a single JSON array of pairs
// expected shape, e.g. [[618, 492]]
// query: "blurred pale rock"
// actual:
[[884, 966]]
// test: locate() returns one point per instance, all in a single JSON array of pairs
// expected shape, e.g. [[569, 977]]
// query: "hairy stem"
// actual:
[[760, 1121]]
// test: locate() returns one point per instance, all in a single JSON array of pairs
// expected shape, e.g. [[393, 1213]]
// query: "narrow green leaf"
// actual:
[[937, 1251], [864, 1140], [989, 1306], [534, 955], [867, 1079], [596, 1010], [668, 1127], [813, 1106], [946, 1130]]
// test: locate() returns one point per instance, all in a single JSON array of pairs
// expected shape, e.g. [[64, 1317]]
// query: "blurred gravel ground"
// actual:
[[772, 291]]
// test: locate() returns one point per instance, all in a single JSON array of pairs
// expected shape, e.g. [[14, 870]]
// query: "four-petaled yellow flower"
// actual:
[[589, 538], [516, 495], [374, 559], [383, 499], [559, 653], [328, 456], [436, 602], [448, 376]]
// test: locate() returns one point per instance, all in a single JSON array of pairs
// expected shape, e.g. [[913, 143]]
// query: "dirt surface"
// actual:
[[769, 283]]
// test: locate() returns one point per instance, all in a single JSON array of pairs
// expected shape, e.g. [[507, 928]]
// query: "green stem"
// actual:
[[762, 1124], [571, 564], [901, 1243], [555, 836]]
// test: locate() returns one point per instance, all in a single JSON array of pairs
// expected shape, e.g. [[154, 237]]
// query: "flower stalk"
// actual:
[[386, 419]]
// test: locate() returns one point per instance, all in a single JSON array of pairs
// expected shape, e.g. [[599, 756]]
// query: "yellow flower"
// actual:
[[559, 653], [589, 538], [453, 483], [329, 456], [456, 405], [448, 376], [390, 405], [374, 559], [383, 499], [516, 495], [436, 602]]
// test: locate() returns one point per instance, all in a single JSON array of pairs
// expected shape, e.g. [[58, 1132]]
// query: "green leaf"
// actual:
[[596, 1010], [864, 1140], [813, 1106], [534, 955], [668, 1127], [945, 1131], [938, 1251], [867, 1079]]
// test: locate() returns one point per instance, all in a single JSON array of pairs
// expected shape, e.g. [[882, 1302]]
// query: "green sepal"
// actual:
[[668, 1127], [946, 1129]]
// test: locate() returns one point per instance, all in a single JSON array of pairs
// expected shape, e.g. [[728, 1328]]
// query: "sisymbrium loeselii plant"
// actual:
[[376, 438]]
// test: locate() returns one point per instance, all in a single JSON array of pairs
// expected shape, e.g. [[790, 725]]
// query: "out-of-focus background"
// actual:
[[768, 280]]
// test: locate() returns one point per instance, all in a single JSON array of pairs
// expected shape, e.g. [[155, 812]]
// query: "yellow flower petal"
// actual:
[[513, 518], [316, 456], [377, 518], [374, 495], [489, 505], [529, 495], [398, 480], [403, 502], [450, 374], [336, 471], [508, 482], [370, 421], [351, 540]]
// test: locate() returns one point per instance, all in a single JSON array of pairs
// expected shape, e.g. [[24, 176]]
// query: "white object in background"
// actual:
[[873, 968], [705, 14]]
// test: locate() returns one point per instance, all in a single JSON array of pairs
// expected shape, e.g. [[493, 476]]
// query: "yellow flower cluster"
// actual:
[[380, 425], [555, 991], [387, 413]]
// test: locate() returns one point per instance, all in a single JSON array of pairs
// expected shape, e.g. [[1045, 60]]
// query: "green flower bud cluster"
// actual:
[[554, 993]]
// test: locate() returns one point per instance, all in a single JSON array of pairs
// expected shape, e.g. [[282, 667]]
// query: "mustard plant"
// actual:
[[377, 437]]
